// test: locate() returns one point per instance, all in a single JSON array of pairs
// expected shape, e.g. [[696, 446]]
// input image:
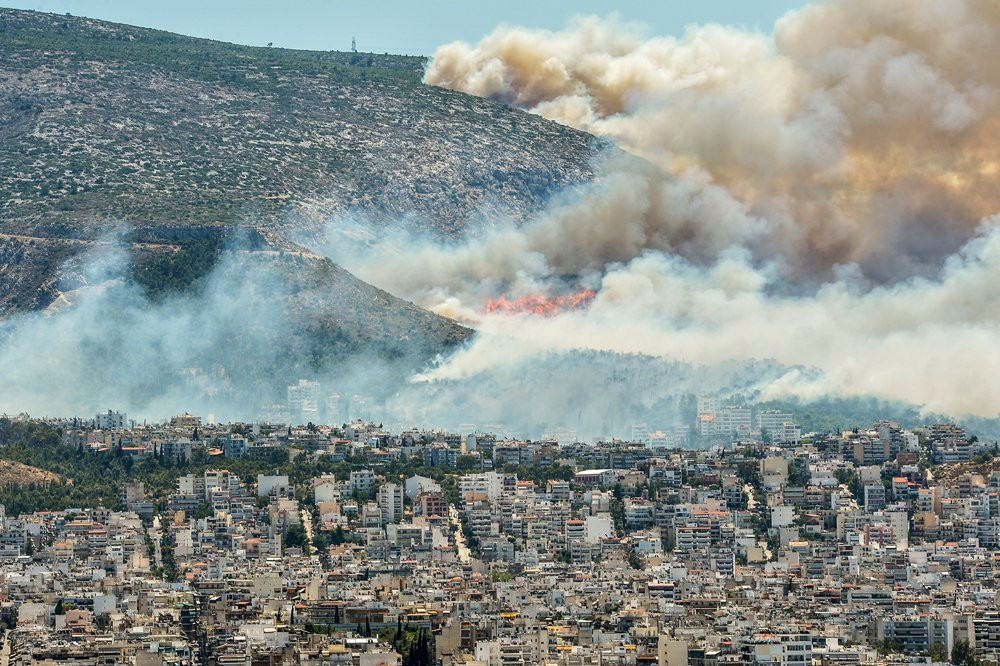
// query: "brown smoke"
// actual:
[[861, 132]]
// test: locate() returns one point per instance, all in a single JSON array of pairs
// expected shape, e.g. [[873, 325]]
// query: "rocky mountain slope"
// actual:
[[104, 119], [15, 474], [175, 146]]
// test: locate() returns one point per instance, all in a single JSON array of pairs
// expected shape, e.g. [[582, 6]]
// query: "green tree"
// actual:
[[501, 576], [749, 472], [167, 559], [295, 537], [418, 651], [467, 463], [889, 646], [962, 654]]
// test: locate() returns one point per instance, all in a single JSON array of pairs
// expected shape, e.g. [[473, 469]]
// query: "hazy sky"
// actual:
[[398, 26]]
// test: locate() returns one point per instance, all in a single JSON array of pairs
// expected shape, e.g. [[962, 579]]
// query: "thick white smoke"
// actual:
[[229, 345], [821, 196], [928, 341]]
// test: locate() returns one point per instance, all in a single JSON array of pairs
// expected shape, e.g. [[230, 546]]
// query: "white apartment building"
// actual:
[[362, 481], [390, 502], [304, 397], [110, 420]]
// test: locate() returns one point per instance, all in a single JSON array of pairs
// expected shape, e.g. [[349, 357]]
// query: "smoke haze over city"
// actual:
[[820, 199]]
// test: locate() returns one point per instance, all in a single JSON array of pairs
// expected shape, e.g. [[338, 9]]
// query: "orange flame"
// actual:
[[541, 304]]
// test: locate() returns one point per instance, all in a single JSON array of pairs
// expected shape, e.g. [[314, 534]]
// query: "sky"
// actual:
[[398, 26]]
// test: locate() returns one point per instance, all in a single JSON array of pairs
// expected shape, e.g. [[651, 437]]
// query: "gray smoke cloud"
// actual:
[[926, 341], [229, 346]]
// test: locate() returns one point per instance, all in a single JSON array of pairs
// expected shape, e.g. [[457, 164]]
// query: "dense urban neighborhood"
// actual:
[[190, 542]]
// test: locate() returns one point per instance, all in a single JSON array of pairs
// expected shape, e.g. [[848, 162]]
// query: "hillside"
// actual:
[[952, 472], [183, 150], [173, 135], [103, 119], [15, 475]]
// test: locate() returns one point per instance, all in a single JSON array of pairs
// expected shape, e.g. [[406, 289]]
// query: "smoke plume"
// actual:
[[858, 133], [821, 196]]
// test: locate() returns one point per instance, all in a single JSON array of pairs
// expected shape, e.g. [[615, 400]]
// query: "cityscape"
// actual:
[[605, 333], [349, 544]]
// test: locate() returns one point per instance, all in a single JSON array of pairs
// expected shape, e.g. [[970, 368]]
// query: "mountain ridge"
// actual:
[[199, 106], [180, 137]]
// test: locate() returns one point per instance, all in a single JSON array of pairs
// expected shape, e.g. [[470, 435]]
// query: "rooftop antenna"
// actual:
[[354, 45]]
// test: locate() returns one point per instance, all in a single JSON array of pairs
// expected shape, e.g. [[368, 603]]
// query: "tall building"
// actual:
[[773, 421], [874, 496], [717, 420], [671, 652], [336, 408], [390, 502], [303, 398], [185, 420], [733, 421], [362, 481], [135, 491], [275, 414], [708, 405], [640, 433], [916, 635], [110, 420]]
